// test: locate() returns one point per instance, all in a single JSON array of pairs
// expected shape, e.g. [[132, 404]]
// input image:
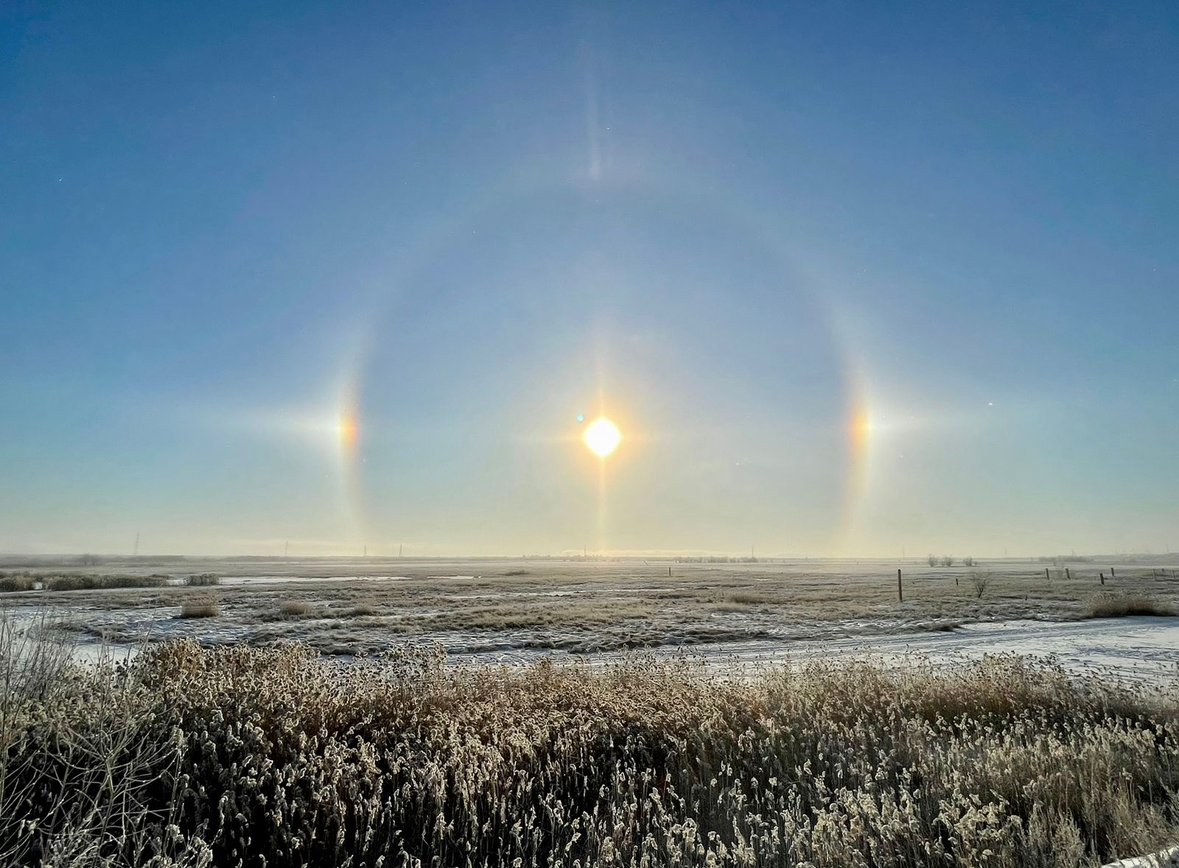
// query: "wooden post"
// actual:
[[1046, 576], [1103, 578], [1112, 574], [900, 590], [1067, 574]]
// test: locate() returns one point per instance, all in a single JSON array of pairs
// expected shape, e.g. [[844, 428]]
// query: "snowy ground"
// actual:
[[1126, 648], [731, 615], [1135, 648]]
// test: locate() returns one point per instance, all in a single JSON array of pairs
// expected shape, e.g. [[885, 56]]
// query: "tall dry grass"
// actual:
[[78, 581], [16, 582], [88, 776], [1127, 605], [275, 757], [202, 580], [200, 608], [90, 582]]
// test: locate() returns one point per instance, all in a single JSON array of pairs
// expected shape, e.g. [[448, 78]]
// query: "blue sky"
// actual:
[[733, 228]]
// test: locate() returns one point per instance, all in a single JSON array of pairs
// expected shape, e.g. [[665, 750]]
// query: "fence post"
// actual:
[[1046, 576], [1112, 574], [1067, 574], [900, 590], [1103, 578]]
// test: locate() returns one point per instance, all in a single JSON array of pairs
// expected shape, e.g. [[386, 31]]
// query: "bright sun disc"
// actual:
[[602, 437]]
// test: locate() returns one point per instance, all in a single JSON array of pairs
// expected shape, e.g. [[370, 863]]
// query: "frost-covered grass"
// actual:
[[77, 581], [276, 756], [587, 607], [1127, 605], [202, 580], [199, 609], [16, 583]]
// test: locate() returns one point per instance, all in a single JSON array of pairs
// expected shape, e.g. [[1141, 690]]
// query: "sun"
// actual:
[[602, 437]]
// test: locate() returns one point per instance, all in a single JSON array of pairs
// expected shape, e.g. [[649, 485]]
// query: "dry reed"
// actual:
[[254, 757]]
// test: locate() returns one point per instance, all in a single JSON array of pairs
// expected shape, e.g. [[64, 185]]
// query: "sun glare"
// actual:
[[602, 437]]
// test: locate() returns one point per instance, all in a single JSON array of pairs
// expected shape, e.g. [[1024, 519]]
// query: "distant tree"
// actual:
[[948, 561], [933, 560], [968, 561]]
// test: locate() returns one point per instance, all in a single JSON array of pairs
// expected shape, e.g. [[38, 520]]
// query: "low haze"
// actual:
[[850, 280]]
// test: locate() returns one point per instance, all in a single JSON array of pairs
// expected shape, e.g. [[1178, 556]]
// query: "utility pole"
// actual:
[[286, 548], [135, 552], [399, 547]]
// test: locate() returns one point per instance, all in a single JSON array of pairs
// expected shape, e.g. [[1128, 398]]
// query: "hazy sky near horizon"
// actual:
[[850, 277]]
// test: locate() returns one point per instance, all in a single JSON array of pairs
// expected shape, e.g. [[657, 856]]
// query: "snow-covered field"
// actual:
[[1135, 648], [731, 615]]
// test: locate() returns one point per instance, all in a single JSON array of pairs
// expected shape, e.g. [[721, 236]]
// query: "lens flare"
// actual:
[[602, 437]]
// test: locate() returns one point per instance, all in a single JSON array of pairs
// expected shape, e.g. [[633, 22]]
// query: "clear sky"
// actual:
[[849, 277]]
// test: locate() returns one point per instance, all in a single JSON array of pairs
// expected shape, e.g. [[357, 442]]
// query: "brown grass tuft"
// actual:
[[199, 609], [1126, 605], [294, 609]]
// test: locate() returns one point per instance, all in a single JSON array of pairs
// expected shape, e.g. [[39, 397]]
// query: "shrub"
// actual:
[[1125, 605], [948, 561], [199, 609], [933, 560], [979, 582], [968, 562], [361, 610]]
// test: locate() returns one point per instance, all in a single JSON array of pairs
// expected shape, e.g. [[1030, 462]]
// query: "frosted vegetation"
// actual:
[[577, 607], [238, 756]]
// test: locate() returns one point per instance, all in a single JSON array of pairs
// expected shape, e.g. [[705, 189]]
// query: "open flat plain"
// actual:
[[594, 610]]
